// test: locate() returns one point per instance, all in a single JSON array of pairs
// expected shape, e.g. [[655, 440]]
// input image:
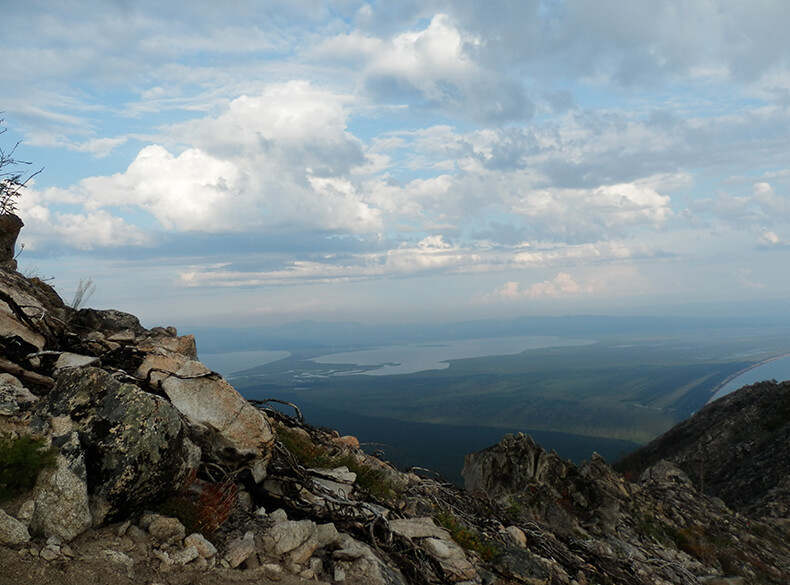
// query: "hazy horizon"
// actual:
[[265, 162]]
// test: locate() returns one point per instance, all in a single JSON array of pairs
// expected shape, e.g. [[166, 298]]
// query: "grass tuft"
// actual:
[[467, 538], [21, 460], [310, 454]]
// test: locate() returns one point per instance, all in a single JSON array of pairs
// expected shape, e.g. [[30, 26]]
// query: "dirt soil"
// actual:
[[92, 566]]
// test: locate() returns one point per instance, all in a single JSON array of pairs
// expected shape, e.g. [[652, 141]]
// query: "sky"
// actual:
[[257, 162]]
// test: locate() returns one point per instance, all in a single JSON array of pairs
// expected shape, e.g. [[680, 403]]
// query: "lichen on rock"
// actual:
[[137, 446]]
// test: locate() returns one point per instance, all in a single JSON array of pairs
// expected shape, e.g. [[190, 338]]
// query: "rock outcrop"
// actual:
[[136, 445], [737, 448], [127, 408], [10, 225]]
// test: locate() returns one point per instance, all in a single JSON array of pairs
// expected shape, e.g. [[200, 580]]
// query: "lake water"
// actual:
[[419, 357], [778, 369], [236, 361]]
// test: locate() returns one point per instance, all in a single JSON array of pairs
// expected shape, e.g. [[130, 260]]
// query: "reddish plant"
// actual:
[[215, 504]]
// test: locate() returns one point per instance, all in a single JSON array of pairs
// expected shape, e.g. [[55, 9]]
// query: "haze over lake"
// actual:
[[419, 357], [777, 369]]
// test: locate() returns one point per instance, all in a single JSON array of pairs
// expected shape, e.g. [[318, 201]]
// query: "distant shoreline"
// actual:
[[731, 377]]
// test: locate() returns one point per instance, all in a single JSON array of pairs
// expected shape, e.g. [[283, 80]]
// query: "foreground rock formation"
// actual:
[[160, 472]]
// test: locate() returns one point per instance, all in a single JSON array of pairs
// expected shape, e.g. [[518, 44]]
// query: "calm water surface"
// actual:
[[418, 357], [778, 369]]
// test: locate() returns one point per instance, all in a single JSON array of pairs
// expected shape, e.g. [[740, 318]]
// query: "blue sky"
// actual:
[[257, 162]]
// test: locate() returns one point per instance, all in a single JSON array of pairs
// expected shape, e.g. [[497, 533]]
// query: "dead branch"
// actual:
[[17, 310], [25, 375], [266, 401]]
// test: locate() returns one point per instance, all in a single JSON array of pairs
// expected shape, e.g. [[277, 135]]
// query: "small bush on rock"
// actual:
[[309, 454], [465, 537], [21, 460]]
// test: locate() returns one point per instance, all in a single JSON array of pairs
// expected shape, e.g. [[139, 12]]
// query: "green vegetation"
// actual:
[[465, 537], [309, 454], [21, 460], [624, 388]]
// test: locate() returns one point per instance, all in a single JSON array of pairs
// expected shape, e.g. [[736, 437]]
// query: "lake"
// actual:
[[419, 357], [777, 369]]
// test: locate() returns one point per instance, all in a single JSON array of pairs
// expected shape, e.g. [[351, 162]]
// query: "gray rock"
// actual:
[[418, 528], [12, 531], [338, 481], [666, 473], [356, 562], [48, 554], [240, 550], [327, 535], [452, 559], [14, 396], [120, 559], [136, 445], [204, 547], [10, 225], [107, 321], [511, 465], [286, 536], [517, 536], [279, 515], [166, 530], [185, 555], [61, 495], [206, 398], [68, 360], [26, 511]]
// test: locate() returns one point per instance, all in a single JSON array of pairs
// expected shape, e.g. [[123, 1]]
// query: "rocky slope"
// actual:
[[153, 469], [736, 448]]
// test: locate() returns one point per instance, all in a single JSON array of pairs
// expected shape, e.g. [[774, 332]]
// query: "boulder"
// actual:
[[338, 481], [32, 310], [423, 527], [455, 566], [286, 536], [206, 398], [10, 225], [61, 506], [136, 445], [108, 321], [204, 548], [355, 562], [240, 550], [68, 360], [14, 397], [167, 530], [12, 531]]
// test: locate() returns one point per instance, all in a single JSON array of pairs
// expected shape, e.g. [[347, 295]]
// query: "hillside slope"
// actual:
[[737, 448]]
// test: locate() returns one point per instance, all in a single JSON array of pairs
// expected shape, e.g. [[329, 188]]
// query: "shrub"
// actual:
[[21, 460], [466, 538], [309, 454], [202, 506]]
